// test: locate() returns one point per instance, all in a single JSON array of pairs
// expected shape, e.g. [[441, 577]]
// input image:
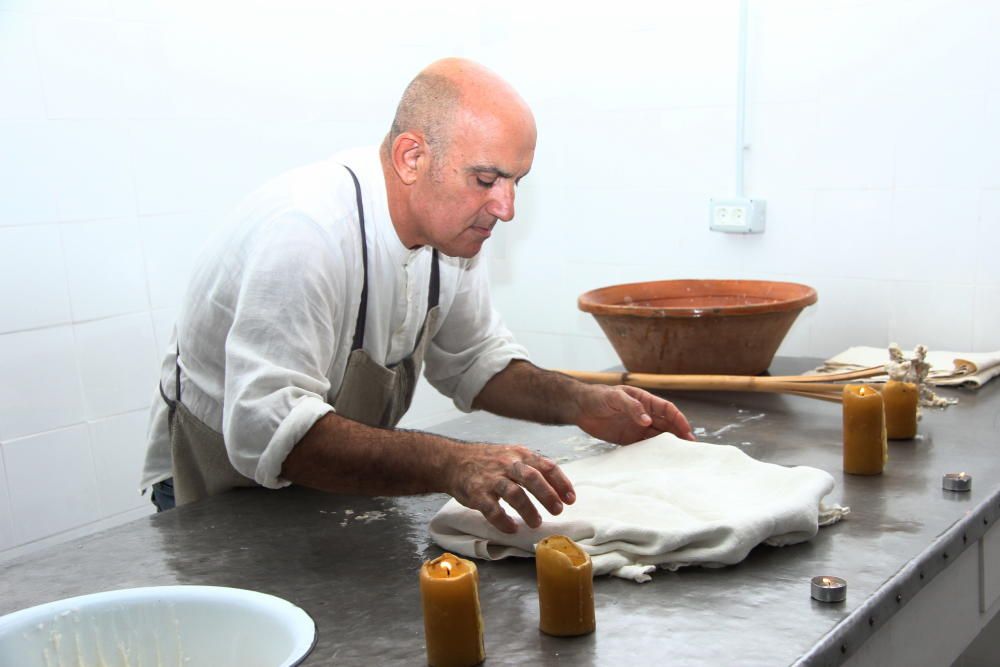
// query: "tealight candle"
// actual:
[[453, 623], [828, 589], [900, 409], [956, 481], [565, 587], [865, 448]]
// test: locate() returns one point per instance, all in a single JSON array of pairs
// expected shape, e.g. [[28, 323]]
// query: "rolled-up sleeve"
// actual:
[[472, 344], [280, 347]]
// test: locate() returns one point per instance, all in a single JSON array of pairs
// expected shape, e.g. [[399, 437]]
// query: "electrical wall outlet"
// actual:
[[740, 216]]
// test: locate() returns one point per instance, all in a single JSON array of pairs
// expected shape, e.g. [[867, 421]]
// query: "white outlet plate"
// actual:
[[740, 216]]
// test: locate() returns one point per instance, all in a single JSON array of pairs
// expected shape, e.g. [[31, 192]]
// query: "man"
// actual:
[[306, 325]]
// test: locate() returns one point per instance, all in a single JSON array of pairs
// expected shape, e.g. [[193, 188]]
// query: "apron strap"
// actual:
[[434, 294], [172, 404], [359, 328]]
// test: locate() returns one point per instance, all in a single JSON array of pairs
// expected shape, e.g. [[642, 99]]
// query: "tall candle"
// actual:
[[865, 450], [565, 587], [453, 624], [900, 409]]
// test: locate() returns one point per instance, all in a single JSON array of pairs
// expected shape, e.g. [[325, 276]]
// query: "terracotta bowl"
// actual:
[[728, 327]]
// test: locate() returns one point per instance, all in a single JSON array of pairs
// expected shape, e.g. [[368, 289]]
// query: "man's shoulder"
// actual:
[[321, 191]]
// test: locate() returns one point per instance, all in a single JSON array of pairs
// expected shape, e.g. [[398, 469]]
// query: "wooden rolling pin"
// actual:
[[823, 387]]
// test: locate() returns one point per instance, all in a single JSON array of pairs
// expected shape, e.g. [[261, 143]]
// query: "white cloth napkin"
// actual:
[[661, 502], [969, 369]]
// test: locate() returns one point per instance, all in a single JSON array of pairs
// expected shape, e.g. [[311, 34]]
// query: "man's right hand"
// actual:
[[483, 474]]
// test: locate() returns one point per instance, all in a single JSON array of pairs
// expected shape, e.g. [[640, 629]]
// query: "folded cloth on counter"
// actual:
[[948, 369], [661, 502]]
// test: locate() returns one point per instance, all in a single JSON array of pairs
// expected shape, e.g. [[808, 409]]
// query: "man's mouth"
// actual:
[[483, 230]]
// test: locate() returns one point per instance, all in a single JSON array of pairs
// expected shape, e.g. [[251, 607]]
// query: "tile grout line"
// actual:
[[66, 427]]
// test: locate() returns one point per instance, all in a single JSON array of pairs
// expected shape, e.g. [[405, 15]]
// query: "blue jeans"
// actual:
[[163, 495]]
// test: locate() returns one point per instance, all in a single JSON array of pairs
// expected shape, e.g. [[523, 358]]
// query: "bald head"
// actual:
[[447, 90], [461, 141]]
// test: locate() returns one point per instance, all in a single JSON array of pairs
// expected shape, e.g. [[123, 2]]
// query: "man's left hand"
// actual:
[[624, 415]]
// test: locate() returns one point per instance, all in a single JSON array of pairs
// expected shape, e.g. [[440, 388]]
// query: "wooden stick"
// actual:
[[704, 382], [871, 371], [833, 398], [808, 386]]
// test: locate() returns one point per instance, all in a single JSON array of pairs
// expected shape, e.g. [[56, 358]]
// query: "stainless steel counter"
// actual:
[[352, 563]]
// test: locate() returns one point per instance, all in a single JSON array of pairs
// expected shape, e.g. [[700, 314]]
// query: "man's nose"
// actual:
[[501, 204]]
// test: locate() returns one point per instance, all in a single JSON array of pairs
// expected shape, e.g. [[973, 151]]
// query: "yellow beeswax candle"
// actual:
[[865, 450], [565, 587], [900, 409], [453, 624]]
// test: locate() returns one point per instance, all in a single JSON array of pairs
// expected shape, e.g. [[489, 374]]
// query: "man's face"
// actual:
[[471, 182]]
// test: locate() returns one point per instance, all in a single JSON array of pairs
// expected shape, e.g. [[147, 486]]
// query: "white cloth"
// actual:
[[948, 369], [268, 319], [661, 502]]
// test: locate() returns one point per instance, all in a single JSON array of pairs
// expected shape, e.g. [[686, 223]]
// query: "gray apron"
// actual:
[[370, 393]]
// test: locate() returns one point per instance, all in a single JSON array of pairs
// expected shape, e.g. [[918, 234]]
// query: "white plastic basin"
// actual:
[[162, 626]]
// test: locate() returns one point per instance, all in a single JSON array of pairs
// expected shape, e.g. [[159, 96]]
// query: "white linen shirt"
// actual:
[[268, 319]]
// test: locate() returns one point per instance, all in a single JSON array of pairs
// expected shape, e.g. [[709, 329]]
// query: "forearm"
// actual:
[[344, 456], [524, 391], [616, 414]]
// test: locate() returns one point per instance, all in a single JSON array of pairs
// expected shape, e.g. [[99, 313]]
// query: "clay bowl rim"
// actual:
[[589, 302]]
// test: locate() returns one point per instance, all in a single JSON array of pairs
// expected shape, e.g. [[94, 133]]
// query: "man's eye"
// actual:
[[485, 184]]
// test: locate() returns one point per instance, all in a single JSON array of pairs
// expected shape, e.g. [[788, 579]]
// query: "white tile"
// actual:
[[198, 164], [147, 89], [26, 170], [855, 50], [6, 519], [991, 143], [33, 291], [986, 331], [52, 483], [939, 141], [693, 151], [938, 314], [105, 268], [80, 67], [170, 245], [64, 170], [946, 47], [786, 248], [855, 145], [90, 169], [987, 268], [74, 8], [782, 153], [930, 226], [150, 11], [119, 447], [848, 313], [548, 311], [783, 51], [41, 388], [853, 235], [19, 78], [619, 226], [118, 364], [260, 72]]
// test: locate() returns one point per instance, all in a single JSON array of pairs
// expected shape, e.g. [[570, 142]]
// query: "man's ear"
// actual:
[[409, 156]]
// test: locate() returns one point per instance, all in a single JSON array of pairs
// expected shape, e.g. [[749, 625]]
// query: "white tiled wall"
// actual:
[[52, 483], [129, 128]]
